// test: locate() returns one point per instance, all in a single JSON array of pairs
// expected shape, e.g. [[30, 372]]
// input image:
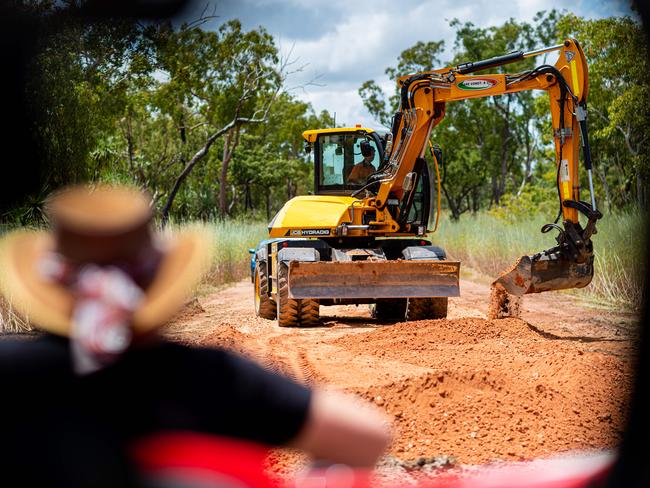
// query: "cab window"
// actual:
[[343, 165]]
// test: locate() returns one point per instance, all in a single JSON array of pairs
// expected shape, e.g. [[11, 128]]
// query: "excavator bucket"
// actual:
[[545, 273], [374, 279]]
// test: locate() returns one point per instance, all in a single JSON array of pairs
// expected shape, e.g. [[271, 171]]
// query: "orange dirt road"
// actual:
[[479, 390]]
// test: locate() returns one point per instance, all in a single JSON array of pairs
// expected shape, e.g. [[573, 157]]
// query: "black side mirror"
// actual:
[[338, 151], [307, 148]]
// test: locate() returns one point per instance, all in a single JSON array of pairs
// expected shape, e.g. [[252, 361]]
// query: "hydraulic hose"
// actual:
[[435, 163]]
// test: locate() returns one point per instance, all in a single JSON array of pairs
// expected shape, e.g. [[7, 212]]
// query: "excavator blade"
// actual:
[[546, 273], [374, 279]]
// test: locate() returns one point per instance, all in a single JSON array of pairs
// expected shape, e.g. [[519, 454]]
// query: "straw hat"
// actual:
[[102, 225]]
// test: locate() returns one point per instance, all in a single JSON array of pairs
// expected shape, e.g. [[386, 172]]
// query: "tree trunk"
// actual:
[[233, 201], [229, 146], [268, 204], [476, 201], [603, 179], [248, 203], [640, 191], [223, 192], [455, 214], [291, 189], [495, 190], [528, 165]]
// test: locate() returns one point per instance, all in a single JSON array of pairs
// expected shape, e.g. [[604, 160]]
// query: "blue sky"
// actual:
[[341, 43]]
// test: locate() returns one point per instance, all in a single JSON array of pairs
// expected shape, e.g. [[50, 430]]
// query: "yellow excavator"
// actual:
[[361, 236]]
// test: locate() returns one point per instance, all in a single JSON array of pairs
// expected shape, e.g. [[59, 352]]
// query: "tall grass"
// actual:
[[10, 321], [483, 242], [489, 244], [231, 260]]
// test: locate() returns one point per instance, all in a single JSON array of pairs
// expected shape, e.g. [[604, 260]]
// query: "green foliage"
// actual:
[[129, 102], [168, 109], [531, 201], [80, 81], [619, 104]]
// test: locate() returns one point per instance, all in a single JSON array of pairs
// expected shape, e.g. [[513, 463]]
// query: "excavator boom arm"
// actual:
[[423, 100]]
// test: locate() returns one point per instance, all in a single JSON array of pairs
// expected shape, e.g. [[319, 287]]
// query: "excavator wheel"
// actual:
[[389, 309], [292, 312], [288, 309], [264, 306], [426, 308], [309, 312]]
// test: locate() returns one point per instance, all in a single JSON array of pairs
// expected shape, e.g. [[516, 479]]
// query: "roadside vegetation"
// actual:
[[488, 243], [231, 260]]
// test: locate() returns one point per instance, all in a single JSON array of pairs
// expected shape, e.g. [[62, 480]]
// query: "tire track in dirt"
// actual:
[[293, 362]]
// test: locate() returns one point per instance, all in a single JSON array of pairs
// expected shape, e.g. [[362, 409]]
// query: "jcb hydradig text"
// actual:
[[360, 238]]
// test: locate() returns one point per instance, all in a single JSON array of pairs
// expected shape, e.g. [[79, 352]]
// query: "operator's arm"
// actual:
[[342, 429]]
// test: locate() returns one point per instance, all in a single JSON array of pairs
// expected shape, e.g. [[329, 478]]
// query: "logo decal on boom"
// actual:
[[477, 84]]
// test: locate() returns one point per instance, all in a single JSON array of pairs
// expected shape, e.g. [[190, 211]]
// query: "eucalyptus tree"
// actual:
[[619, 104], [213, 83]]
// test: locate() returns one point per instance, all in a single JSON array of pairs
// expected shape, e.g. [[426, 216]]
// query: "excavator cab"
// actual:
[[344, 158]]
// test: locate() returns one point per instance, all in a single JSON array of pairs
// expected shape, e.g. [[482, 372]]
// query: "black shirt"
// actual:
[[50, 414]]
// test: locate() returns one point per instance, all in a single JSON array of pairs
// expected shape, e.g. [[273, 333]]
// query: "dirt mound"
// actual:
[[495, 390], [230, 338], [425, 334]]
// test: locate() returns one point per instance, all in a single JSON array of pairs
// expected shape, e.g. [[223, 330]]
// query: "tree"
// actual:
[[619, 103], [218, 81], [80, 82], [423, 56]]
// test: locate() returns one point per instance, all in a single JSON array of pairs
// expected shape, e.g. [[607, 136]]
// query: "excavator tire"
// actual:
[[426, 308], [292, 312], [288, 309], [389, 309], [309, 312], [264, 306]]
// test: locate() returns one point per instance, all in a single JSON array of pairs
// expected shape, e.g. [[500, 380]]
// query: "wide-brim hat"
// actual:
[[101, 225]]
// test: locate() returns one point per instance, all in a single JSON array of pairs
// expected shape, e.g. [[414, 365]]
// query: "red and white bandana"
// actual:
[[105, 299]]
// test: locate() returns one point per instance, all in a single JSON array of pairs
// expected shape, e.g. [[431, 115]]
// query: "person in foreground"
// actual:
[[100, 283]]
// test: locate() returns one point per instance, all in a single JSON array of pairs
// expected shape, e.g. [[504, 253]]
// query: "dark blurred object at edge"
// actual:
[[21, 31]]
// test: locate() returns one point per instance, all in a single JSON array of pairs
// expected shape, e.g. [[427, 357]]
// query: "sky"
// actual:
[[339, 44]]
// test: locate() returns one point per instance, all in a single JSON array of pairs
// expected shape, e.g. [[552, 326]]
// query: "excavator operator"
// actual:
[[360, 171]]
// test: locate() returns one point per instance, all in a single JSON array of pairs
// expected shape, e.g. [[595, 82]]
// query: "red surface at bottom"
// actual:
[[191, 459], [202, 460]]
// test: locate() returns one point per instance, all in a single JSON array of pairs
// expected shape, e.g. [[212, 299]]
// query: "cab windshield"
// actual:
[[343, 165]]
